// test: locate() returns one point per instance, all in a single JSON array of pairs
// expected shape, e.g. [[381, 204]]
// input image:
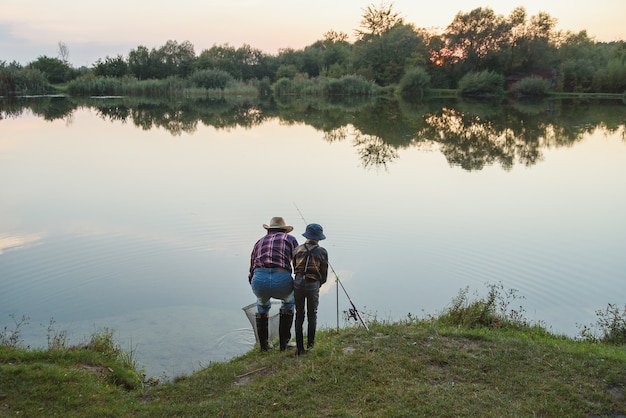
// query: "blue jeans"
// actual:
[[306, 292], [270, 283]]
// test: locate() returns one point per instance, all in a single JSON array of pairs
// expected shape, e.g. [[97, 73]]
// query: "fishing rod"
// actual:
[[353, 312]]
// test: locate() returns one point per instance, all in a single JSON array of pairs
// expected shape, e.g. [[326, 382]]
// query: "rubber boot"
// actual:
[[262, 321], [284, 328], [299, 335], [310, 336]]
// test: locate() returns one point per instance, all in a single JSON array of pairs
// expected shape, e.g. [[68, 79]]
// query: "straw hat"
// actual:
[[278, 222]]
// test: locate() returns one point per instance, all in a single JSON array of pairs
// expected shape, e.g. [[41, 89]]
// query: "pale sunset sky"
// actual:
[[93, 30]]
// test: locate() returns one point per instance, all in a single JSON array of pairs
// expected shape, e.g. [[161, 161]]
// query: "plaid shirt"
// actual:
[[275, 249]]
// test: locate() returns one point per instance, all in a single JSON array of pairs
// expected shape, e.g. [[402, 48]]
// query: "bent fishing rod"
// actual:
[[354, 312]]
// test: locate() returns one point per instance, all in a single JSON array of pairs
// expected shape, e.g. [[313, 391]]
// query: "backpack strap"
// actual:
[[308, 255]]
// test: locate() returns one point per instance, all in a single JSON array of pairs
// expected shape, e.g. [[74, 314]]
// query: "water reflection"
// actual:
[[148, 232], [470, 134]]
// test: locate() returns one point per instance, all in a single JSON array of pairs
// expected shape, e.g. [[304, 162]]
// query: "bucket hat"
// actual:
[[314, 231]]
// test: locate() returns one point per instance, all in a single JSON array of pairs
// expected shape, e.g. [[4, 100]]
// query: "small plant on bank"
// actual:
[[126, 376], [57, 339], [611, 324], [12, 337], [493, 311], [99, 352]]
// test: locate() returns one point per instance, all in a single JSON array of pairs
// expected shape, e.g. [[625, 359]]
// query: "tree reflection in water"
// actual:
[[374, 151], [471, 134]]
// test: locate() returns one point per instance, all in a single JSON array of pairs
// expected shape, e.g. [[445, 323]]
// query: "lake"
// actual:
[[139, 217]]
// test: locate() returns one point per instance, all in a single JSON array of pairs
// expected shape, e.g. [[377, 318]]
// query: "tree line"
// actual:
[[480, 51]]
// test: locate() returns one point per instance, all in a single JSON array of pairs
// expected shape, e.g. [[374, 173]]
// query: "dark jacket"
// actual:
[[311, 261]]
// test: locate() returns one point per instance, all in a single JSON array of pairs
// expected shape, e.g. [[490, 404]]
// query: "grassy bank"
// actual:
[[408, 368]]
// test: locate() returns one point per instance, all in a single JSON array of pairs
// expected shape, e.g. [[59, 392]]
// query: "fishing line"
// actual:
[[353, 312]]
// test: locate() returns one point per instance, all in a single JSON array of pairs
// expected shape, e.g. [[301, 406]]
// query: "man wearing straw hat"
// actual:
[[270, 277]]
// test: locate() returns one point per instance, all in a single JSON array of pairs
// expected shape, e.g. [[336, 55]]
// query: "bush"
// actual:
[[91, 85], [413, 83], [13, 337], [531, 86], [482, 84], [492, 311], [286, 71], [101, 86], [211, 79], [17, 81], [612, 325], [350, 85], [124, 372], [284, 87]]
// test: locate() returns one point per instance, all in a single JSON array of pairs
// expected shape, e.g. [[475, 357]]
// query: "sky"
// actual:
[[94, 30]]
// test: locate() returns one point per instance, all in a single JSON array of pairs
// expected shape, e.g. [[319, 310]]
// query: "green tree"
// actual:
[[252, 63], [141, 63], [305, 63], [612, 78], [377, 20], [312, 60], [438, 65], [580, 57], [317, 59], [111, 67], [386, 46], [171, 59], [55, 70], [220, 57], [335, 54], [473, 36], [481, 40], [532, 44], [540, 37], [286, 71], [383, 58], [290, 58], [175, 59]]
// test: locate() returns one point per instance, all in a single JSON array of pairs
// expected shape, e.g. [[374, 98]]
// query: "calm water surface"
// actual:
[[104, 225]]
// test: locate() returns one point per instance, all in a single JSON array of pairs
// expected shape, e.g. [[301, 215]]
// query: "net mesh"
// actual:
[[274, 319]]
